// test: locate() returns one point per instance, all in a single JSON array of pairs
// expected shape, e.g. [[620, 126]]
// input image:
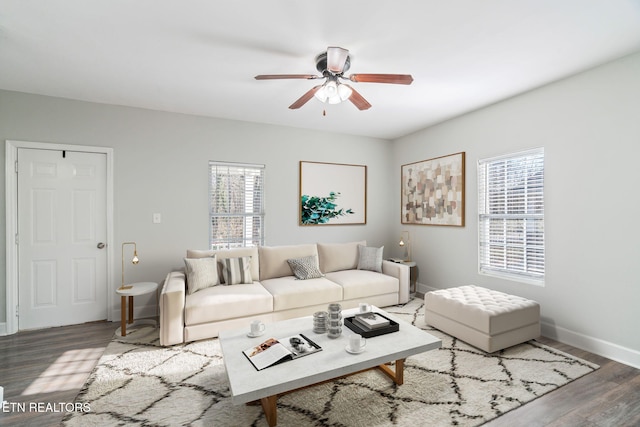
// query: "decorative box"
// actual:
[[393, 327]]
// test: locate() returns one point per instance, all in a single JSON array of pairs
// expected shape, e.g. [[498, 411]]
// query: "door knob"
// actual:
[[101, 245]]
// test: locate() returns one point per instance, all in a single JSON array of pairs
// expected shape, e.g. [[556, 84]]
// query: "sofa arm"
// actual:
[[401, 272], [172, 302]]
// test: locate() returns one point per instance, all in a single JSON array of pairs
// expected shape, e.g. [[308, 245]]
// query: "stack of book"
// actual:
[[370, 321]]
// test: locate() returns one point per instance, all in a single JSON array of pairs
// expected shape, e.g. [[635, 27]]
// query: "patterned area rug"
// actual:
[[139, 383]]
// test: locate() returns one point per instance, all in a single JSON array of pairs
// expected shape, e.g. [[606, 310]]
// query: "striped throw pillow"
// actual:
[[237, 270], [306, 267]]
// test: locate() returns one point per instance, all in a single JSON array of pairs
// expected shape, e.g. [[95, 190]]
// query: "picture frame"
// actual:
[[433, 191], [332, 194]]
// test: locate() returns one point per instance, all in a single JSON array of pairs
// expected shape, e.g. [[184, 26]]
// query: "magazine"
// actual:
[[370, 320], [273, 351]]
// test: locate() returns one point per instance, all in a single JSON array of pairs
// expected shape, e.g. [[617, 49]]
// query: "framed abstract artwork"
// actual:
[[332, 194], [432, 191]]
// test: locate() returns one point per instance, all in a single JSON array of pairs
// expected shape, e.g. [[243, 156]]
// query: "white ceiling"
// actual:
[[200, 56]]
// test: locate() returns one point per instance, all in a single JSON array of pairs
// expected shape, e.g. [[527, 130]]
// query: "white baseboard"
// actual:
[[423, 289], [3, 330], [593, 345]]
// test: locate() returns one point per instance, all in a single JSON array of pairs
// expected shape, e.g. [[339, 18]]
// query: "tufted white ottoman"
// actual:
[[487, 319]]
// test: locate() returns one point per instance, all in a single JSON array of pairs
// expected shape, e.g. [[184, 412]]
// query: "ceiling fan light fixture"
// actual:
[[321, 94], [344, 92], [334, 100], [331, 88], [333, 92], [337, 59]]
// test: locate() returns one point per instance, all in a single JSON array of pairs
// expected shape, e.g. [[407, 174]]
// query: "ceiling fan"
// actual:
[[332, 64]]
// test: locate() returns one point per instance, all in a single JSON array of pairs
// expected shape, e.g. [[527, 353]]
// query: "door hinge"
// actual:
[[17, 239], [17, 311], [16, 166]]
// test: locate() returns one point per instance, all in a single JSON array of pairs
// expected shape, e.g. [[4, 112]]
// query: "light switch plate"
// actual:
[[157, 218]]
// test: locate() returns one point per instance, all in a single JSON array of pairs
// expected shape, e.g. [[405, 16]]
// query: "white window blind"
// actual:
[[511, 216], [236, 205]]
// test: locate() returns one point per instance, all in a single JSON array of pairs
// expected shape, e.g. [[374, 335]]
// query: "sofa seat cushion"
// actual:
[[364, 283], [226, 302], [289, 292]]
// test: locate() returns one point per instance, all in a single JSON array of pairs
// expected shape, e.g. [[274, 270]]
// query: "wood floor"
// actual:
[[50, 366]]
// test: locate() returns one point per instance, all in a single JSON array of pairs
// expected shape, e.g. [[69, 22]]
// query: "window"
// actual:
[[511, 216], [236, 205]]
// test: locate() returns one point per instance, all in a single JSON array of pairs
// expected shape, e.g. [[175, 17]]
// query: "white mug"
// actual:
[[257, 327], [357, 342], [364, 307]]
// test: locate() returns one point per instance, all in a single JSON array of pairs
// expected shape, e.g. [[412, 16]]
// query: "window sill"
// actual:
[[513, 277]]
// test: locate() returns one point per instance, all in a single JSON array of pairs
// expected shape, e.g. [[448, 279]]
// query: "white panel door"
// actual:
[[62, 231]]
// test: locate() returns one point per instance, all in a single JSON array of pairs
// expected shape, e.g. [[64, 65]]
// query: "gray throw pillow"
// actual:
[[306, 267], [370, 258], [202, 273]]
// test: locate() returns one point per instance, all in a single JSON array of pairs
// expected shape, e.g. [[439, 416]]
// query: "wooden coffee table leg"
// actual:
[[398, 375], [269, 407]]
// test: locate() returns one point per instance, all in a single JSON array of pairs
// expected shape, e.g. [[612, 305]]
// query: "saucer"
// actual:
[[348, 348], [250, 335]]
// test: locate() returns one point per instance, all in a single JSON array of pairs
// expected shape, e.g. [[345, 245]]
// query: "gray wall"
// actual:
[[590, 128], [161, 165]]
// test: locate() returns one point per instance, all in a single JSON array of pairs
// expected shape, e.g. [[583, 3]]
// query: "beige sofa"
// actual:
[[275, 293]]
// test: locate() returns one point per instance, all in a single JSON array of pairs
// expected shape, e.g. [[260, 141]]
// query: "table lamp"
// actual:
[[134, 261], [405, 242]]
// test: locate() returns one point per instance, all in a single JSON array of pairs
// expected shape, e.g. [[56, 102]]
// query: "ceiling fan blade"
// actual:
[[336, 58], [304, 98], [358, 100], [286, 76], [400, 79]]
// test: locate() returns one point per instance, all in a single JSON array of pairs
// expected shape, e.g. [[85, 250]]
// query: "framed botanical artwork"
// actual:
[[332, 194], [432, 191]]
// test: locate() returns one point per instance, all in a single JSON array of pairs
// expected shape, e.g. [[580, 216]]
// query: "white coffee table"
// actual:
[[247, 384]]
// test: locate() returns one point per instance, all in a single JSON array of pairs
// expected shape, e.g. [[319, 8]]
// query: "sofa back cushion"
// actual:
[[273, 259], [223, 254], [339, 256]]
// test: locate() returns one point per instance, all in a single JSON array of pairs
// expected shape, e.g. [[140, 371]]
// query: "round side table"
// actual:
[[130, 291]]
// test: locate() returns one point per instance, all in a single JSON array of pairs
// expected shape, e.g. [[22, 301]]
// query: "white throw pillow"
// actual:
[[370, 258], [202, 273], [237, 270], [306, 267]]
